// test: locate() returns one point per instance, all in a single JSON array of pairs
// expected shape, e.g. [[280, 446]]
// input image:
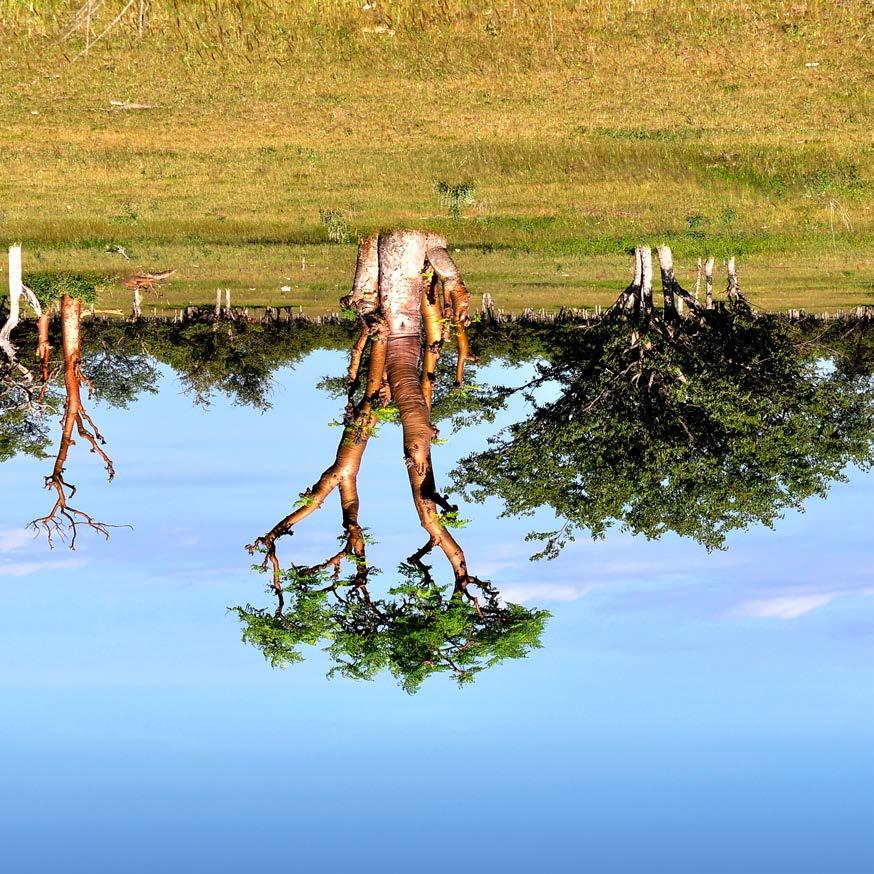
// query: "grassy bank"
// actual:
[[248, 148]]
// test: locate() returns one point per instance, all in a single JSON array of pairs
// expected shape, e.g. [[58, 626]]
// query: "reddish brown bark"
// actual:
[[456, 301], [432, 318], [401, 257], [63, 518], [342, 474], [43, 348]]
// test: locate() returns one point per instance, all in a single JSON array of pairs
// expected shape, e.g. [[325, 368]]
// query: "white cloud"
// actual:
[[522, 592], [12, 539], [24, 568], [786, 607]]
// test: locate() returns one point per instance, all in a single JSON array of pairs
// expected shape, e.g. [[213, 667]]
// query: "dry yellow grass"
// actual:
[[581, 128]]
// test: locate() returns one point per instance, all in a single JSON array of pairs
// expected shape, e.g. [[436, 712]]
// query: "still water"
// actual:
[[688, 711]]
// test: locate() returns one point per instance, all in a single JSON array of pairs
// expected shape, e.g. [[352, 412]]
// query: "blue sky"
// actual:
[[688, 712]]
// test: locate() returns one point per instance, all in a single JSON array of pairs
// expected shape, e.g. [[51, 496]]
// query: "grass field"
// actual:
[[544, 138]]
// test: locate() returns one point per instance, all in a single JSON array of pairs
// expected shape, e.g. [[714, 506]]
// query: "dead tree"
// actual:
[[17, 290], [675, 296], [708, 279], [63, 519], [735, 295]]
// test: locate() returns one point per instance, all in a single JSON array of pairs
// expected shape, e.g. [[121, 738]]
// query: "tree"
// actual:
[[656, 421], [69, 291], [406, 291]]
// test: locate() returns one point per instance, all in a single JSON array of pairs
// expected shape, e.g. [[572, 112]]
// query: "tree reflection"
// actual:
[[68, 291], [696, 423], [418, 629]]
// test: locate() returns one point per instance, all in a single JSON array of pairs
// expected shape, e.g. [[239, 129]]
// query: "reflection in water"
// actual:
[[416, 630], [67, 291], [697, 422]]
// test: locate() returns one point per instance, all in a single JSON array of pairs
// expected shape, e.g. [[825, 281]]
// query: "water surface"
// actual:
[[687, 711]]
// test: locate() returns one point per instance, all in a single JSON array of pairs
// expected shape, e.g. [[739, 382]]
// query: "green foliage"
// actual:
[[24, 422], [237, 359], [700, 429], [335, 222], [418, 629], [451, 519], [51, 287], [455, 197], [119, 376]]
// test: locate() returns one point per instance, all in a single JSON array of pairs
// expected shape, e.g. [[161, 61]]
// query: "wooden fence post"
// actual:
[[708, 278]]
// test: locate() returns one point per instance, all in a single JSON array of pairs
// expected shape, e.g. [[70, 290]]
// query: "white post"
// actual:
[[15, 291], [733, 289], [218, 302], [228, 301], [135, 311], [646, 276], [666, 263], [698, 280], [708, 280]]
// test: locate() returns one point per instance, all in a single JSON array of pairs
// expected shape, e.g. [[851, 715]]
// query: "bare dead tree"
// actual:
[[17, 290], [735, 295], [63, 519], [708, 276]]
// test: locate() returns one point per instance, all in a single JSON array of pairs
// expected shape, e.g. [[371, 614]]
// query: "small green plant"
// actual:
[[335, 222], [451, 519], [455, 197], [389, 413], [303, 500]]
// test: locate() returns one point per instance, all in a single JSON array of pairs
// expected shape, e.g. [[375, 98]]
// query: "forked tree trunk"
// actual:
[[17, 290], [62, 515], [342, 474], [390, 297]]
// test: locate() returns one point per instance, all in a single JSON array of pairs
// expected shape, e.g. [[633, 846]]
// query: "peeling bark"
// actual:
[[432, 318], [364, 296], [675, 295], [400, 295], [396, 296], [735, 295]]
